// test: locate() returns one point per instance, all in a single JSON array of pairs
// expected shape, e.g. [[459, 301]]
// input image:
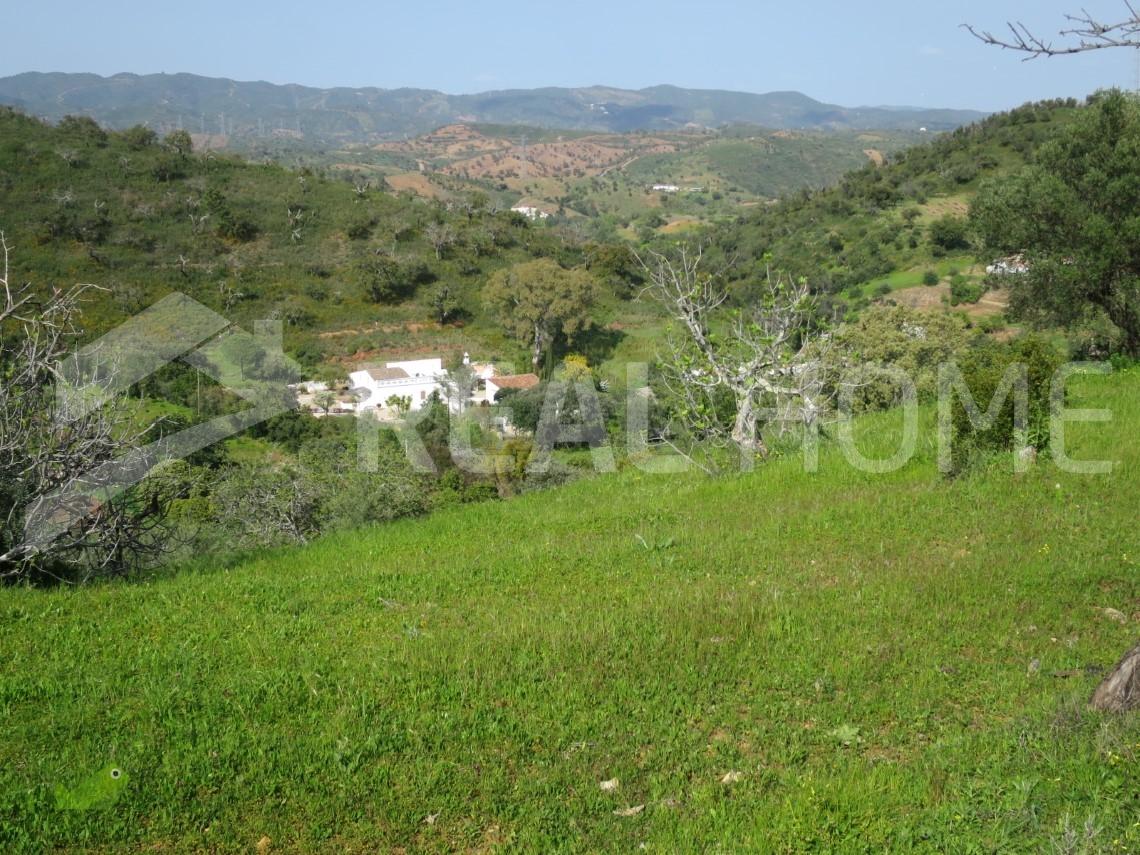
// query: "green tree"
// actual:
[[179, 142], [1073, 214], [389, 281], [139, 137], [949, 232], [443, 305], [536, 301]]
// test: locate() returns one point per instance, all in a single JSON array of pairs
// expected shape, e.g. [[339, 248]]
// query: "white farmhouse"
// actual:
[[415, 379], [531, 212], [1013, 265]]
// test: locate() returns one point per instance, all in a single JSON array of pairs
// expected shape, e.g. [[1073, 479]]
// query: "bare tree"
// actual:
[[50, 443], [198, 221], [1085, 34], [440, 236], [762, 354]]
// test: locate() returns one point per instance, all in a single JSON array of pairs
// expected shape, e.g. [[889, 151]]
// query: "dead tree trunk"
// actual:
[[1120, 692]]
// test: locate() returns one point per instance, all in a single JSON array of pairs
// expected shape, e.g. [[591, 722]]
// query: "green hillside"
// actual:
[[886, 226], [780, 661], [348, 266]]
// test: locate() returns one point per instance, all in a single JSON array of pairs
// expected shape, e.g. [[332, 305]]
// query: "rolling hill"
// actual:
[[243, 113], [580, 173]]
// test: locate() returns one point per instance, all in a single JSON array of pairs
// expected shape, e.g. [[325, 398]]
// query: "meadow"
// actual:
[[777, 661]]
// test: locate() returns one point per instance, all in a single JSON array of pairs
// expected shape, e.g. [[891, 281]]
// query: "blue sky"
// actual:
[[886, 52]]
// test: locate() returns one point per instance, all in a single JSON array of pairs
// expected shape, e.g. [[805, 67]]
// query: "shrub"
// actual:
[[949, 233], [361, 229], [930, 278], [963, 290], [895, 336], [139, 137], [983, 368]]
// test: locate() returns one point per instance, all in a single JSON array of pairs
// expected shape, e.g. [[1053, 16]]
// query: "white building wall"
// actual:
[[419, 389]]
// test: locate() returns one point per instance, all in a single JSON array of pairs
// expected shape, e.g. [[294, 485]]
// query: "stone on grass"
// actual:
[[1120, 691]]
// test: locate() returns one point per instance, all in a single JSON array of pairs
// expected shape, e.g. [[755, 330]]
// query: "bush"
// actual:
[[963, 290], [898, 337], [983, 368], [361, 229], [268, 504], [949, 233], [930, 278], [139, 137]]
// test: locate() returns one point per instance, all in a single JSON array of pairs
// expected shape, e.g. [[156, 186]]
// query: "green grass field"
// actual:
[[777, 661]]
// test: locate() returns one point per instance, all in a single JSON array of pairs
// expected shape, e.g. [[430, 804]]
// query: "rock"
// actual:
[[1113, 614], [609, 786], [629, 811], [1034, 667], [1120, 691], [732, 777]]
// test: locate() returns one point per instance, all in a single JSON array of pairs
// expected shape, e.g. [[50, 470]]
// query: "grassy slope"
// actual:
[[492, 664]]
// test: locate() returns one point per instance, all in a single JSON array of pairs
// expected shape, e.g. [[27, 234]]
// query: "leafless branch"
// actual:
[[49, 445], [1089, 35]]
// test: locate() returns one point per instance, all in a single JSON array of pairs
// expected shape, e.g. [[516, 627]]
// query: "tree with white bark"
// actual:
[[440, 236], [762, 354]]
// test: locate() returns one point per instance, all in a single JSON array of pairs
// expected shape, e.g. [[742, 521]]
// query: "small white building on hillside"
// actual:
[[1013, 265], [531, 212], [414, 379]]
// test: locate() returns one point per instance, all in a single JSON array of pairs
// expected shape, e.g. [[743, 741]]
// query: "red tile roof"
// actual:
[[516, 381]]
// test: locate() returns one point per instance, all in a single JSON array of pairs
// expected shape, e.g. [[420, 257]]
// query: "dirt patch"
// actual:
[[933, 297], [923, 297], [417, 183], [958, 206], [410, 326], [682, 224], [875, 156]]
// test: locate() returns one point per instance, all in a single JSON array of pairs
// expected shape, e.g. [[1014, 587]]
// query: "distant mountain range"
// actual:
[[245, 111]]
